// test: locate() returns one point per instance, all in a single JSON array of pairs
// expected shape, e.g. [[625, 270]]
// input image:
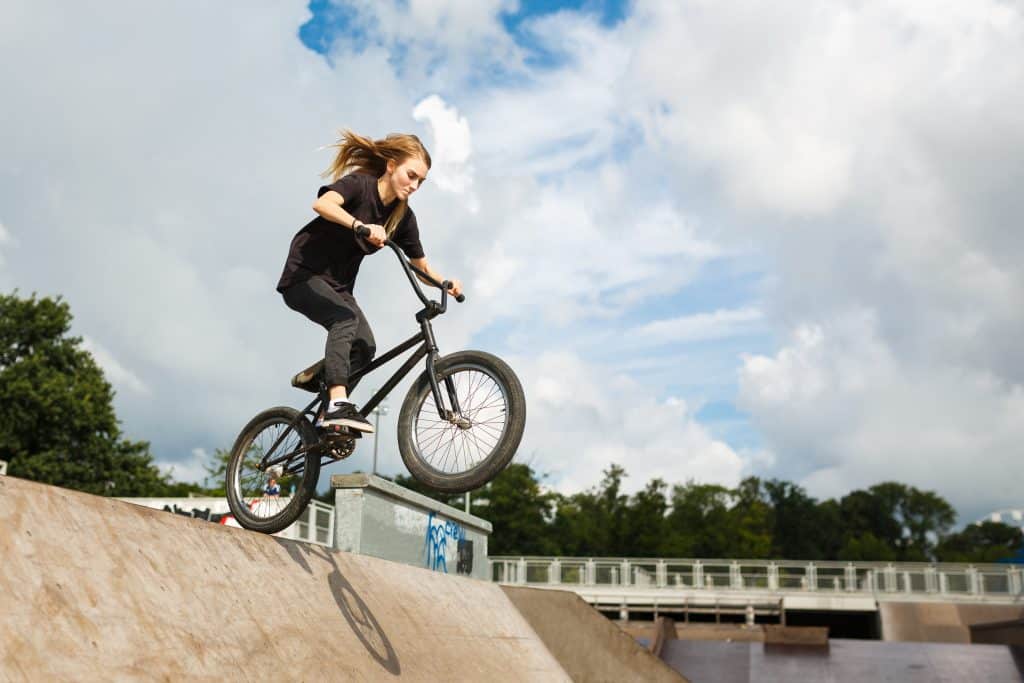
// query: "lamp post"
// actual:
[[381, 409]]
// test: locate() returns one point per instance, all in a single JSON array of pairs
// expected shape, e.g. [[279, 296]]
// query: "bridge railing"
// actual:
[[779, 576]]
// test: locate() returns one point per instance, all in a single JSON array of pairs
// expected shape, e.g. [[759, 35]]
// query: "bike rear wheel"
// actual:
[[277, 443], [465, 451]]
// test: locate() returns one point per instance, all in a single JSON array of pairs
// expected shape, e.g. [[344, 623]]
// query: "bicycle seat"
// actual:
[[307, 379]]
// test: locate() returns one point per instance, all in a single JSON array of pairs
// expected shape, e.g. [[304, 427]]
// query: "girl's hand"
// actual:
[[377, 235], [456, 287]]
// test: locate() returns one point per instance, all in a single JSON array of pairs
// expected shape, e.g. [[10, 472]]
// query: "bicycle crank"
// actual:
[[338, 447]]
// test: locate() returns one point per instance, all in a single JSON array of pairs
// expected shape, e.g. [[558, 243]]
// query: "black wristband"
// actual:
[[355, 224]]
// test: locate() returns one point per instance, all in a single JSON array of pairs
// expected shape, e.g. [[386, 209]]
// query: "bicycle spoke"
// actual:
[[476, 440], [450, 448], [252, 481]]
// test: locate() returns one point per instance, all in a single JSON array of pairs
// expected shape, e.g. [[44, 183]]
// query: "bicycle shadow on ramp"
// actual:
[[355, 610]]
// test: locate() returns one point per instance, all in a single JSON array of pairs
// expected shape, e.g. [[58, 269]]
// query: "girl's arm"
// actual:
[[329, 206], [422, 264]]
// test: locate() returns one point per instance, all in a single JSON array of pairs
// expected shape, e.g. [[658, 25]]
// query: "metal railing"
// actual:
[[314, 525], [882, 580]]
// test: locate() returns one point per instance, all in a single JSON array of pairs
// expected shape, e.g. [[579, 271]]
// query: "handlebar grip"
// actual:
[[447, 284], [363, 231]]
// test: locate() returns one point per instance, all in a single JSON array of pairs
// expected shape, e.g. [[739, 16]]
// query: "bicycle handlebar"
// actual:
[[363, 231]]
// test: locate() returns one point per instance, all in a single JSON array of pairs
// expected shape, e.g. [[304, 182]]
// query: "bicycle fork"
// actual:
[[455, 414]]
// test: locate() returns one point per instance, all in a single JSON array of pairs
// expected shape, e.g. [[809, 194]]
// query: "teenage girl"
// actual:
[[371, 182]]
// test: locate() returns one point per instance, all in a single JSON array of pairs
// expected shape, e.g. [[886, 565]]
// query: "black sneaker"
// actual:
[[345, 415]]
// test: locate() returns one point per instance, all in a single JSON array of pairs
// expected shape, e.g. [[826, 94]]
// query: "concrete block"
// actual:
[[378, 518]]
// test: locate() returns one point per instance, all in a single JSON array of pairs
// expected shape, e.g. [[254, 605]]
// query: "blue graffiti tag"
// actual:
[[438, 536]]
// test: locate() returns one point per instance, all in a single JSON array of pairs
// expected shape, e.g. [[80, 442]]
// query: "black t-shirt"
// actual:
[[333, 252]]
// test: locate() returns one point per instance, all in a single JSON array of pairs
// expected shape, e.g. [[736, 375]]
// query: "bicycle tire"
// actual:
[[305, 485], [419, 400]]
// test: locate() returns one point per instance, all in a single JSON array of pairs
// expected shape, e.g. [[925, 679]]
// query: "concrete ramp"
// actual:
[[588, 646], [97, 589], [939, 622]]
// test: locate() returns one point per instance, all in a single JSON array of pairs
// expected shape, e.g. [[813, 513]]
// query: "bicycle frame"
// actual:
[[427, 348]]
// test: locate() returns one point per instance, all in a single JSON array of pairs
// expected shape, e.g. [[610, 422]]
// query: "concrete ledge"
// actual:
[[664, 630], [376, 517], [588, 646], [389, 488], [999, 632], [795, 635]]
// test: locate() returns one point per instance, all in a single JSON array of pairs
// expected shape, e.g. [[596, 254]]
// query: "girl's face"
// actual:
[[406, 177]]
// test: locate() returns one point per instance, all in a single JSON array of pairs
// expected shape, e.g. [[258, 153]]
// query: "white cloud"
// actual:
[[574, 250], [849, 413], [191, 469], [867, 154], [582, 418], [168, 225], [119, 376], [436, 44], [5, 238], [451, 146], [557, 119], [794, 108], [699, 327]]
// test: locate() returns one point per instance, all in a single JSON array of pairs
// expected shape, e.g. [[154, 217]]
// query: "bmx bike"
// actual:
[[459, 425]]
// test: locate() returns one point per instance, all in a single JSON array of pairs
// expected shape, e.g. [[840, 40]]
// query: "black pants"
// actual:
[[350, 341]]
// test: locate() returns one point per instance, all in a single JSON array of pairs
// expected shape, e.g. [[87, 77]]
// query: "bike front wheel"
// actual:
[[457, 451], [272, 470]]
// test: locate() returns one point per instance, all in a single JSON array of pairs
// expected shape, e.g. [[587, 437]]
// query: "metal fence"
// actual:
[[315, 525], [981, 582]]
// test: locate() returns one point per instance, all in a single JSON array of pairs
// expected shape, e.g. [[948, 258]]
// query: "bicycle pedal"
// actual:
[[338, 431]]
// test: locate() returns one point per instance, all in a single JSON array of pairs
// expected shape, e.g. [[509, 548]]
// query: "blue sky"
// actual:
[[702, 372], [713, 239], [332, 20]]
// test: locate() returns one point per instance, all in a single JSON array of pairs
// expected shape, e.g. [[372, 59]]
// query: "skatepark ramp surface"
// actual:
[[97, 589], [588, 646], [940, 622]]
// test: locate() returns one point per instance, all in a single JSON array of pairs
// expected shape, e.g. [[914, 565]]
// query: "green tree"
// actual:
[[907, 520], [749, 521], [866, 547], [216, 474], [829, 518], [926, 517], [57, 422], [801, 530], [868, 522], [984, 542], [699, 521], [520, 511], [644, 521], [592, 523], [887, 522]]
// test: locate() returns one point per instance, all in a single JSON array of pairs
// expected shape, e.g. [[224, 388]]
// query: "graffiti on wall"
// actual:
[[446, 540], [201, 513]]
